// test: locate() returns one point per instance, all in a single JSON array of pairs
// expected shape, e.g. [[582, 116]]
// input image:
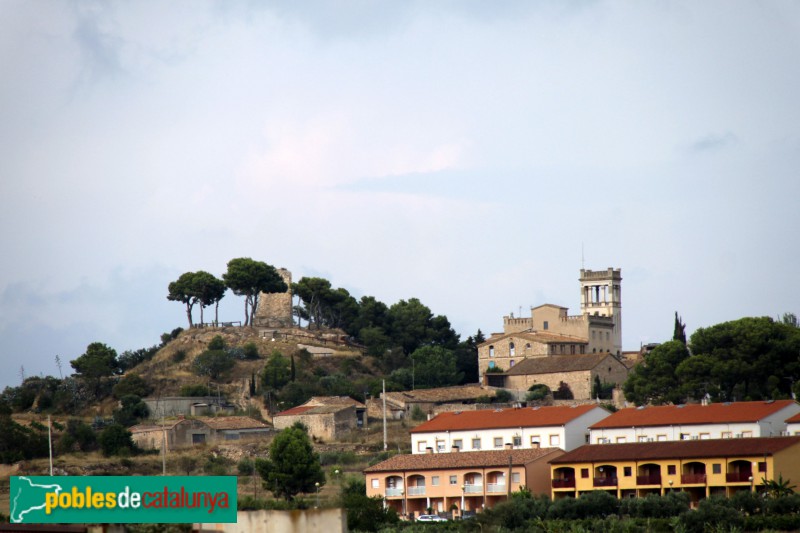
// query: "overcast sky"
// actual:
[[470, 154]]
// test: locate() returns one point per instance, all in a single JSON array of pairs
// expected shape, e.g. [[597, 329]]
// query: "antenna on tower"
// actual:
[[582, 262]]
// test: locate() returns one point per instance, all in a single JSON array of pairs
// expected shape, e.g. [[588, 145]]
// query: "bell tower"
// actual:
[[601, 295]]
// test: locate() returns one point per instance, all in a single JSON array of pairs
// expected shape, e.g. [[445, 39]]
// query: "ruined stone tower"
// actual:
[[275, 310]]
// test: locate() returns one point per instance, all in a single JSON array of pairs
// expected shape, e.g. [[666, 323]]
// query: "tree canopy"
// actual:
[[99, 361], [654, 380], [249, 278], [435, 366], [293, 466]]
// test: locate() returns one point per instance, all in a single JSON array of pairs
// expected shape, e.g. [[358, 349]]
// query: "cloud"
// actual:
[[713, 142]]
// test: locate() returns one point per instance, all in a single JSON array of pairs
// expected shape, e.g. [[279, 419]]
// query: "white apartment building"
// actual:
[[695, 422], [516, 428]]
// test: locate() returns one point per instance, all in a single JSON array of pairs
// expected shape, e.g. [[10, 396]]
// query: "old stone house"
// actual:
[[185, 432], [430, 401], [326, 422], [578, 372]]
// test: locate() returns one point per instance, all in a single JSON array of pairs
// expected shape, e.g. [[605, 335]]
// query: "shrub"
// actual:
[[178, 356], [417, 413], [131, 384], [563, 392], [250, 351], [217, 343], [537, 392], [217, 465], [116, 440], [503, 396], [196, 389]]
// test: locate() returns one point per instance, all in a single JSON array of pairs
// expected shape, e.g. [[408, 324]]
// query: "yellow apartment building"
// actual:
[[703, 468], [452, 484]]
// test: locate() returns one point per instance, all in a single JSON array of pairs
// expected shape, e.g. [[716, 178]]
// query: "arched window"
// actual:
[[511, 349], [491, 351], [512, 363], [491, 364]]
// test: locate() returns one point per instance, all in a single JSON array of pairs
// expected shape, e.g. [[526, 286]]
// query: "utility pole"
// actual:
[[50, 443], [385, 444]]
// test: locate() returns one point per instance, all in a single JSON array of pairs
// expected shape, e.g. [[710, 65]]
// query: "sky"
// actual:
[[474, 155]]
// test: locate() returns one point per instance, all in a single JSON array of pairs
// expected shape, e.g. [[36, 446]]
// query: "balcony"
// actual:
[[567, 483], [416, 491], [392, 492], [605, 482], [473, 489], [654, 479], [693, 479], [496, 487], [738, 477]]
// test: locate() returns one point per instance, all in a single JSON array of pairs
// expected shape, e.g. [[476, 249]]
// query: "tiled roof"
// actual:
[[437, 461], [233, 422], [679, 449], [536, 336], [334, 400], [503, 418], [442, 394], [142, 428], [715, 413], [557, 363], [312, 410], [794, 419]]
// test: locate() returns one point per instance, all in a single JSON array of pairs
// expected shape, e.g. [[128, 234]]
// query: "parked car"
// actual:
[[430, 518]]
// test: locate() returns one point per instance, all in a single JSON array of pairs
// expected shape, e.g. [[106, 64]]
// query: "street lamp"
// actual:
[[463, 490], [670, 485], [750, 479], [317, 485]]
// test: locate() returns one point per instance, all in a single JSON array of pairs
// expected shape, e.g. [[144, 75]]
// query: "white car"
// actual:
[[430, 518]]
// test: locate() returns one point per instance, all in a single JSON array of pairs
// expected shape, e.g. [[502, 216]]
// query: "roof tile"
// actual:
[[503, 418], [428, 461]]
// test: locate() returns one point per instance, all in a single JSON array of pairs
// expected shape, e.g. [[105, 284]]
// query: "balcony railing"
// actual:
[[496, 487], [474, 488], [693, 479], [392, 492], [564, 483], [738, 477], [654, 479], [605, 482], [416, 491]]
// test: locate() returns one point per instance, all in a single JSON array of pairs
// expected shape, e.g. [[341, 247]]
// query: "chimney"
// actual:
[[509, 446], [534, 445], [456, 449], [428, 450]]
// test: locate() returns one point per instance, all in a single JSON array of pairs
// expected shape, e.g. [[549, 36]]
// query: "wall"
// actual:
[[326, 426], [307, 521], [671, 432]]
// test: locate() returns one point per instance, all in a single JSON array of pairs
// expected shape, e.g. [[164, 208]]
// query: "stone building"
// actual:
[[550, 330], [327, 422], [578, 372], [185, 432], [275, 310]]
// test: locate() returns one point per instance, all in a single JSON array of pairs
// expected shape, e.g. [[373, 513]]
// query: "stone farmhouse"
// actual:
[[327, 418], [578, 372], [430, 401], [518, 428], [703, 468], [695, 422], [170, 406], [458, 484], [185, 432], [551, 331]]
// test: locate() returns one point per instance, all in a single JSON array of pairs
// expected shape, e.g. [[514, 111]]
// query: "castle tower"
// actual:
[[601, 295], [275, 310]]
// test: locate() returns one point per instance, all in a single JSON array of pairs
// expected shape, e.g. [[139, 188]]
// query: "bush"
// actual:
[[197, 389], [116, 440], [250, 351], [178, 356], [537, 392], [344, 457], [78, 436], [563, 392], [417, 413], [595, 504], [213, 363], [217, 343], [217, 465], [132, 384], [503, 396]]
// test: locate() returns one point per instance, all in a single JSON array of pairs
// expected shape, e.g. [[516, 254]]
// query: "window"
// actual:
[[454, 480], [515, 477], [704, 436], [458, 443], [583, 349], [491, 351], [421, 445], [435, 481], [716, 468], [562, 348], [535, 441], [727, 435], [440, 446], [555, 440], [762, 466], [661, 438], [517, 440], [545, 325], [491, 364], [621, 440], [584, 472], [685, 436], [572, 349], [641, 438], [626, 471], [498, 442], [511, 349], [375, 483], [747, 434], [511, 364], [670, 470], [476, 444]]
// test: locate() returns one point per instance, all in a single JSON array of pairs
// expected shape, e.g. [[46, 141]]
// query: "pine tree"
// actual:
[[680, 330]]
